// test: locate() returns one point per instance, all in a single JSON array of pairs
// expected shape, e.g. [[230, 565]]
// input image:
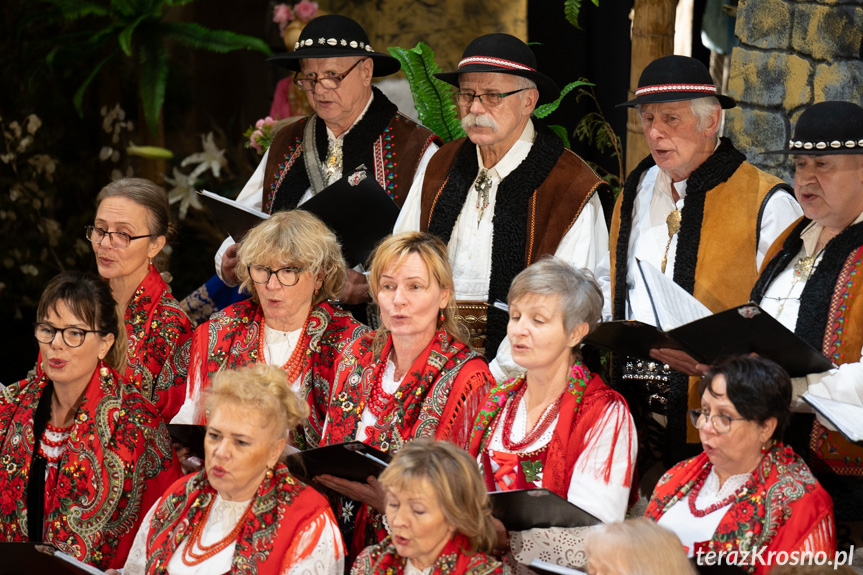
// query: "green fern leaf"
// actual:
[[125, 37], [220, 41], [571, 9], [562, 134], [546, 109], [154, 76], [70, 10], [78, 98], [432, 97]]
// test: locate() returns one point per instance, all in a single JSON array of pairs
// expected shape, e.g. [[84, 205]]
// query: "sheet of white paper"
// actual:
[[239, 206], [673, 305], [847, 417]]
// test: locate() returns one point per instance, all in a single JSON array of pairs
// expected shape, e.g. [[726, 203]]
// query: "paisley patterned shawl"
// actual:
[[281, 508], [118, 462], [230, 340], [156, 327], [585, 400], [437, 398], [785, 508], [455, 559]]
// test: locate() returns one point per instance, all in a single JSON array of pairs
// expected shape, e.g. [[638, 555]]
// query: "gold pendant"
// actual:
[[673, 223]]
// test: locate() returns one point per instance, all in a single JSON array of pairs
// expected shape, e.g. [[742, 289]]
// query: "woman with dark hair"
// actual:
[[83, 452], [439, 515], [291, 264], [131, 227], [746, 491]]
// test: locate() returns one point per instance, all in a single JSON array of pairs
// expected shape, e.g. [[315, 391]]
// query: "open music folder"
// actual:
[[682, 322], [354, 461], [522, 509], [846, 417]]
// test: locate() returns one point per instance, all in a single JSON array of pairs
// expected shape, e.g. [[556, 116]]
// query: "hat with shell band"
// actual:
[[335, 36], [826, 129], [503, 54], [673, 79]]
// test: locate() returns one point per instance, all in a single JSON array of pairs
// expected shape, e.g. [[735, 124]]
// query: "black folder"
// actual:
[[358, 210], [233, 217], [354, 461], [29, 558], [545, 568], [740, 330], [189, 435], [522, 509]]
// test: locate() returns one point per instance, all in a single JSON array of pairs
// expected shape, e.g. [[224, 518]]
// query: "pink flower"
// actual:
[[305, 10], [253, 140], [282, 15]]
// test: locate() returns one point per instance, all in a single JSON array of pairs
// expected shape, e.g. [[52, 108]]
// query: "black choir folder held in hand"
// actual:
[[682, 322], [233, 217], [356, 208], [522, 509], [354, 461], [30, 558]]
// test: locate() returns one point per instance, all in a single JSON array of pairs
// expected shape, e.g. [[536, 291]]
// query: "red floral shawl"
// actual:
[[438, 397], [118, 462], [229, 340], [156, 327], [585, 400], [785, 509], [282, 507], [383, 559]]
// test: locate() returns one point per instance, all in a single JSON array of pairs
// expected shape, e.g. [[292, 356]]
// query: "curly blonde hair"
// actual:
[[262, 387], [294, 238]]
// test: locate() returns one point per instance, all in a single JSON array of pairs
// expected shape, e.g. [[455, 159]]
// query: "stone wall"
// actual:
[[792, 53]]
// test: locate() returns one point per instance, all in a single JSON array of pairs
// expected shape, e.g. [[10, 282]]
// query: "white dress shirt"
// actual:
[[583, 245]]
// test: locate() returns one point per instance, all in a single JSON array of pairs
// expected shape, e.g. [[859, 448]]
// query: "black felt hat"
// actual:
[[335, 36], [503, 54], [673, 79], [827, 128]]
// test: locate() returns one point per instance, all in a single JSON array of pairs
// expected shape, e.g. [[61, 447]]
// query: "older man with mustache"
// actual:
[[508, 193]]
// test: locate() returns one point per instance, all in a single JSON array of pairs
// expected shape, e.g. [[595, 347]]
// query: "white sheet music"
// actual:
[[673, 306], [847, 417]]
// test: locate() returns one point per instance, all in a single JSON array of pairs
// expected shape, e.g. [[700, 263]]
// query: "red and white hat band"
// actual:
[[499, 62], [660, 88]]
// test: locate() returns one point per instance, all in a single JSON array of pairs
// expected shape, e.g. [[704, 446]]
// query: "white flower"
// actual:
[[105, 153], [30, 269], [33, 123], [44, 164], [211, 158], [183, 192]]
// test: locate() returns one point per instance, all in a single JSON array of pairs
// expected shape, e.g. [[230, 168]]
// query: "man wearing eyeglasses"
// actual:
[[354, 124], [507, 194]]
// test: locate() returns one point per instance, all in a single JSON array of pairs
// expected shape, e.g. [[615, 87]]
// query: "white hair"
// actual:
[[703, 108]]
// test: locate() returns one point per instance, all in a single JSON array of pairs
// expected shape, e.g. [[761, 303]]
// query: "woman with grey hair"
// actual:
[[557, 426]]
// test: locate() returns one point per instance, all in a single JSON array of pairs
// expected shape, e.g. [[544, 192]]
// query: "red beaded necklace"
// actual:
[[379, 401], [190, 557], [295, 364], [541, 426], [699, 483], [65, 432]]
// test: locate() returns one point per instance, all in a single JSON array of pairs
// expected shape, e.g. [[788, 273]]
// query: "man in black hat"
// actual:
[[354, 124], [700, 213], [506, 194], [811, 283]]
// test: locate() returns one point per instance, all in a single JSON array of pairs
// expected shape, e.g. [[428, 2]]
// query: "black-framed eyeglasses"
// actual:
[[327, 83], [721, 423], [489, 99], [72, 336], [117, 239], [288, 277]]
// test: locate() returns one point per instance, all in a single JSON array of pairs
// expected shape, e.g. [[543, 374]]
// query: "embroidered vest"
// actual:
[[396, 155]]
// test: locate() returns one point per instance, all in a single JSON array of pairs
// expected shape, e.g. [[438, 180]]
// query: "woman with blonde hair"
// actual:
[[292, 265], [244, 512], [635, 547], [414, 377], [438, 512]]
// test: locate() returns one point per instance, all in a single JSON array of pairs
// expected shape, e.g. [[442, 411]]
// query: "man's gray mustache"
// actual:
[[481, 121]]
